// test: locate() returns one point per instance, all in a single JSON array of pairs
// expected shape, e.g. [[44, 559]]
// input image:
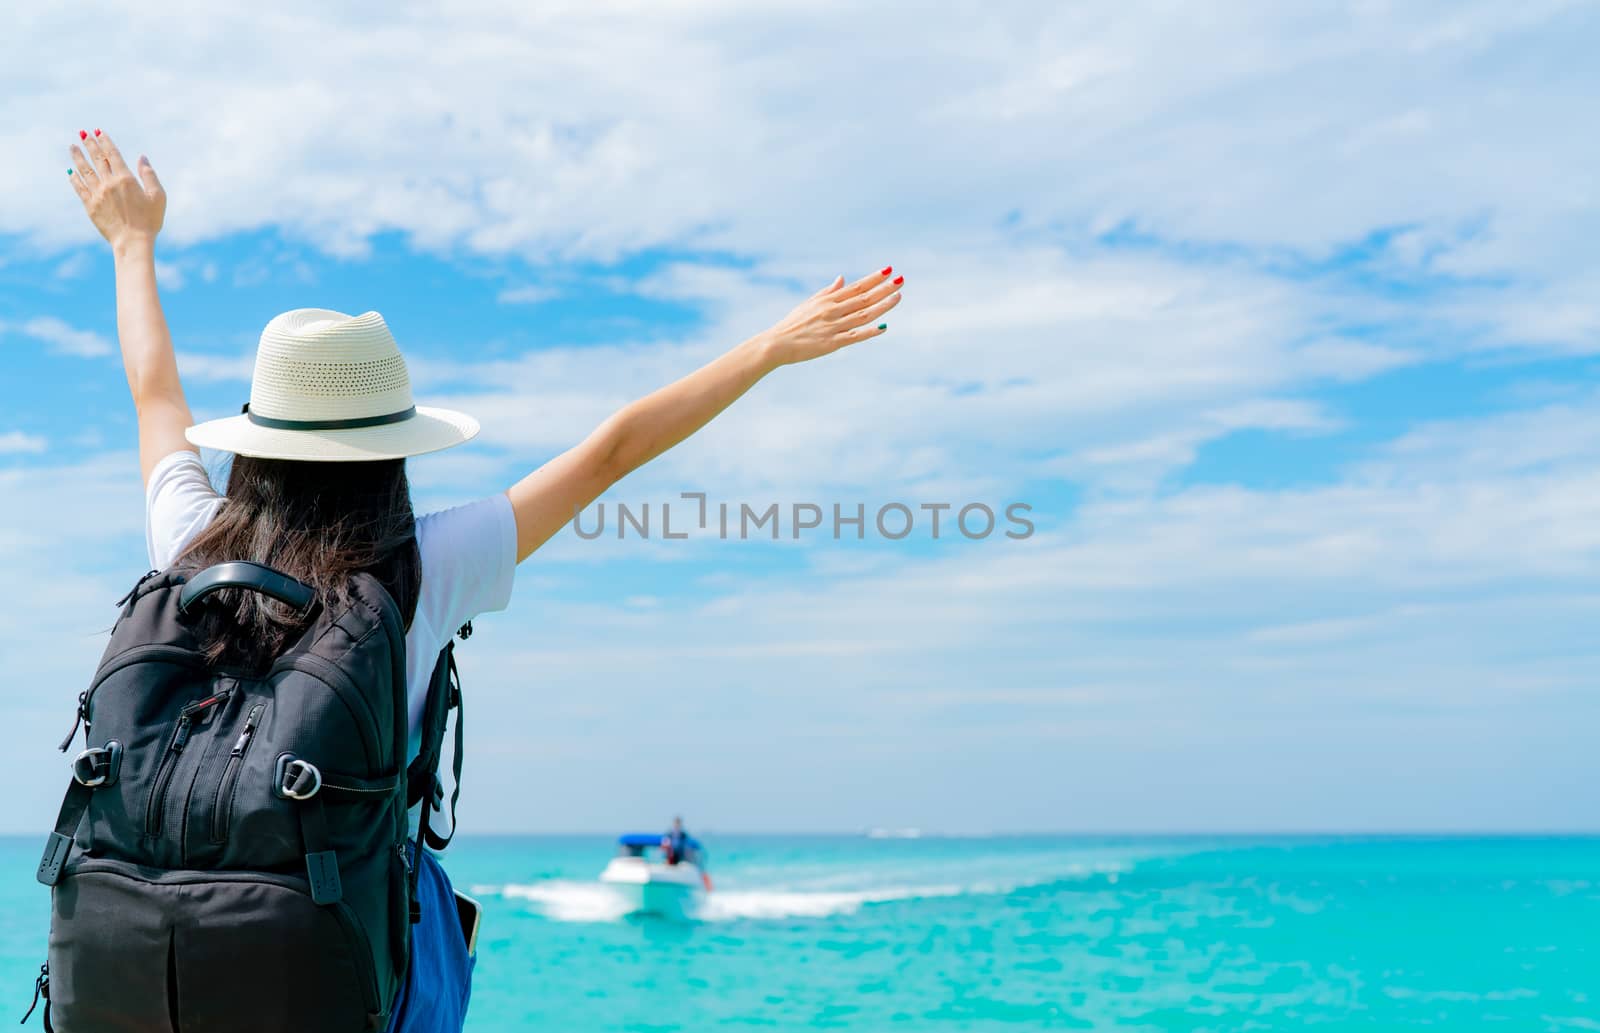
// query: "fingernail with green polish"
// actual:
[[883, 326], [69, 172]]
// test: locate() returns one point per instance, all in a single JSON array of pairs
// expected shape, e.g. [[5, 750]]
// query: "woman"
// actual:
[[318, 488]]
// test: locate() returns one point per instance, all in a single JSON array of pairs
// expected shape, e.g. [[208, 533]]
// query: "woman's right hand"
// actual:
[[125, 208]]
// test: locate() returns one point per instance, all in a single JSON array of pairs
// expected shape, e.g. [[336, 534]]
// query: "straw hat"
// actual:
[[333, 388]]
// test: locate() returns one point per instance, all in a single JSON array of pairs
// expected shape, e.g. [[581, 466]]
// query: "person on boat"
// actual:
[[317, 487], [676, 842]]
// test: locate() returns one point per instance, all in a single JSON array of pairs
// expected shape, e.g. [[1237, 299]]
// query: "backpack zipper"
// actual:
[[117, 663], [222, 808], [400, 913], [169, 761], [77, 719]]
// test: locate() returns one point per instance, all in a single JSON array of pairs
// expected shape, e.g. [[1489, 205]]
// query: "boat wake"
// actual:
[[565, 900], [726, 905], [569, 900]]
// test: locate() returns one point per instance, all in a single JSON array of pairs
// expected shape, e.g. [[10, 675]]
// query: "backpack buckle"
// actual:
[[297, 779], [98, 765]]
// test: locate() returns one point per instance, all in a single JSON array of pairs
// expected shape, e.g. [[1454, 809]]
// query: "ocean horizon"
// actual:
[[897, 929]]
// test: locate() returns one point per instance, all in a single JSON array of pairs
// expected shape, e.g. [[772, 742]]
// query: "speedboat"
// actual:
[[641, 873]]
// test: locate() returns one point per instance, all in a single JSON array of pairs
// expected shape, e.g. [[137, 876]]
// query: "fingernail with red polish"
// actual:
[[97, 132], [887, 270], [899, 280], [83, 134]]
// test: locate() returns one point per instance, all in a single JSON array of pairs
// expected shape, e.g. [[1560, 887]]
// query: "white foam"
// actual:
[[569, 900], [566, 900], [724, 905]]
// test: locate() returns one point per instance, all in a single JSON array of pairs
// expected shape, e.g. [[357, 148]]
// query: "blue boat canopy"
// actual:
[[649, 839]]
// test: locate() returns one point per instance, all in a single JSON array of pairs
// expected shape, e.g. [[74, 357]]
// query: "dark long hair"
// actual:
[[318, 522]]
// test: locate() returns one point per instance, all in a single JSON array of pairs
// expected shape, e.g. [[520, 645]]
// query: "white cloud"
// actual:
[[169, 275], [529, 294], [199, 367], [582, 131], [70, 533], [1003, 140], [74, 265], [1144, 460], [1416, 616], [984, 381], [66, 339], [20, 441]]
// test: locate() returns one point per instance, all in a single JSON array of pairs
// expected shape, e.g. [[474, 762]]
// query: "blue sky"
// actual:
[[1283, 321]]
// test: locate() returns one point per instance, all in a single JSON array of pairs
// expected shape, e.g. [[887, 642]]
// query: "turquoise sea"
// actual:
[[861, 933]]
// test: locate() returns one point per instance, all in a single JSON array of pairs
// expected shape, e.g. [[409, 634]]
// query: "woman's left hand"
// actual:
[[835, 316], [125, 208]]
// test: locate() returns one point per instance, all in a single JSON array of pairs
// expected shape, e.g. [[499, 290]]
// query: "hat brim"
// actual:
[[430, 430]]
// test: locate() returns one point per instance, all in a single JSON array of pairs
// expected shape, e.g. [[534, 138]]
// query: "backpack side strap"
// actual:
[[93, 768], [422, 775], [59, 844]]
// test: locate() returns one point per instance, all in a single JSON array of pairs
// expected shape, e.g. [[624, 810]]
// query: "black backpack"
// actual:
[[230, 855]]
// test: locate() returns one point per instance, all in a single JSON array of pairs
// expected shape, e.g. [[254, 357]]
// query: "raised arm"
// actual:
[[834, 317], [128, 210]]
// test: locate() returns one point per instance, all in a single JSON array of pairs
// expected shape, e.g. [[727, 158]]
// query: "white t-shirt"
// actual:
[[469, 561]]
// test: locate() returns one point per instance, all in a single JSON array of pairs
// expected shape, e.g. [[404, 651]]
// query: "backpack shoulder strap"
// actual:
[[422, 775]]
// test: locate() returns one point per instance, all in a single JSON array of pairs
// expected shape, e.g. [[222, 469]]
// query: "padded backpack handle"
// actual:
[[244, 574]]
